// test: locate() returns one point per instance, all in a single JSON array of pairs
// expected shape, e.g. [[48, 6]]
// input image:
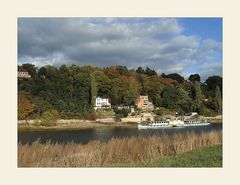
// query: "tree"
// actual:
[[174, 76], [183, 100], [82, 92], [218, 99], [122, 70], [72, 90], [49, 117], [153, 88], [42, 72], [197, 96], [214, 81], [194, 77], [31, 69], [25, 107], [140, 70], [93, 91], [111, 72], [169, 96], [40, 105], [103, 84], [150, 72]]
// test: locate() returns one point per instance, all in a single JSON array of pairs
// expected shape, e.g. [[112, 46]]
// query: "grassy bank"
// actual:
[[204, 157], [74, 125], [128, 151]]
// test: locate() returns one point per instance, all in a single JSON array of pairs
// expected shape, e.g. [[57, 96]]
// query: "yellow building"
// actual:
[[143, 103]]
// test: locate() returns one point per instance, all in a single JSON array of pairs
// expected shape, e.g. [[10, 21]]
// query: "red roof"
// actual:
[[21, 69]]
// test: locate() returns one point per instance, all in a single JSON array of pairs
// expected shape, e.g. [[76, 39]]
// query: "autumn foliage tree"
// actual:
[[25, 107], [71, 90]]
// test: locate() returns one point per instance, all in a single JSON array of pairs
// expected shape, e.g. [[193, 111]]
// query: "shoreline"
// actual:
[[76, 125], [81, 124]]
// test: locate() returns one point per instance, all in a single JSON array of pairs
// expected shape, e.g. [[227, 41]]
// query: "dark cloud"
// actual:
[[157, 43]]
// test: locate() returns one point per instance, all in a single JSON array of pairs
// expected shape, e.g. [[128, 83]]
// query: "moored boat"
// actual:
[[172, 123], [154, 124], [190, 123]]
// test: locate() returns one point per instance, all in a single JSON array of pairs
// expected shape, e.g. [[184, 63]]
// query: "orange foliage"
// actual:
[[25, 107], [111, 72], [167, 81]]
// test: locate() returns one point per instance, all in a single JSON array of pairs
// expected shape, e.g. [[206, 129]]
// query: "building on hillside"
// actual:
[[143, 103], [23, 73], [194, 114], [102, 103]]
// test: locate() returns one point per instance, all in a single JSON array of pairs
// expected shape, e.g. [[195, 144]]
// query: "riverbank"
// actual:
[[85, 124], [73, 124], [128, 151]]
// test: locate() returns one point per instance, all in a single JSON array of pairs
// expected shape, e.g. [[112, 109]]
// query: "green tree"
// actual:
[[123, 70], [40, 105], [169, 96], [153, 88], [174, 76], [197, 97], [150, 72], [93, 91], [183, 101], [82, 92], [31, 68], [49, 117], [214, 81], [133, 88], [218, 99], [194, 77], [140, 70]]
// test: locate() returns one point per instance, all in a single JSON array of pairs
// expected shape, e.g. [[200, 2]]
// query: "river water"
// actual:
[[103, 134]]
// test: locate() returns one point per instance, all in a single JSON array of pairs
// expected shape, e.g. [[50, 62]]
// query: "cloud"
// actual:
[[157, 43]]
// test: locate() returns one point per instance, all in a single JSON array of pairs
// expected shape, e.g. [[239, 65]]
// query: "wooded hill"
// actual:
[[71, 90]]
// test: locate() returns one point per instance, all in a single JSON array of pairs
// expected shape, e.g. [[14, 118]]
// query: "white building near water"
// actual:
[[102, 103]]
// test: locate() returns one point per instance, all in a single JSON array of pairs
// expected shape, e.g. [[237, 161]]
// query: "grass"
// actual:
[[204, 157], [126, 151], [75, 126]]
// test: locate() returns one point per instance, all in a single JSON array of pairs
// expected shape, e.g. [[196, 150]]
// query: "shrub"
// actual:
[[161, 111], [49, 117], [123, 112], [90, 116], [158, 118], [207, 112], [118, 117], [133, 114], [71, 115]]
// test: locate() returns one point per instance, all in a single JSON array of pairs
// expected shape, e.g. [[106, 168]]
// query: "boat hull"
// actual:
[[195, 124], [141, 126], [153, 126]]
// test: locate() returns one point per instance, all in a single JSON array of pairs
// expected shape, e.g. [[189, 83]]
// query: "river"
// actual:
[[103, 134]]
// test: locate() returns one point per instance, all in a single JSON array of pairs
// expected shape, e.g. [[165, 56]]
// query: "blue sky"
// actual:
[[207, 28], [168, 45]]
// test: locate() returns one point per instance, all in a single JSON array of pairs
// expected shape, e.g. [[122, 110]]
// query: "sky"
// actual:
[[167, 45]]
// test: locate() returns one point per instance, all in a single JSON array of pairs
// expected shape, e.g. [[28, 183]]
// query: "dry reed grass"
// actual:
[[115, 151]]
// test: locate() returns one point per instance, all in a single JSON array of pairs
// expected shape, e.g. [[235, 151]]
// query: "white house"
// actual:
[[194, 113], [22, 73], [102, 103]]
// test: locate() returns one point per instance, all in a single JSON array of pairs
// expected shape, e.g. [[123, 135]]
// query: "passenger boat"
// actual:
[[190, 123], [154, 124], [172, 123]]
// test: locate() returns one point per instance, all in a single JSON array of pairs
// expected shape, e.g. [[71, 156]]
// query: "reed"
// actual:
[[115, 151]]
